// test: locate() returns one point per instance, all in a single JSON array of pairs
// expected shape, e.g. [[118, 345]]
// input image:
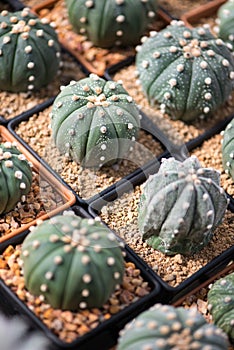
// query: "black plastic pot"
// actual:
[[104, 335]]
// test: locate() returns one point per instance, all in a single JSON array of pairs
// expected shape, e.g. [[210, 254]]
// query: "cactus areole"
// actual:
[[74, 263], [15, 176], [95, 122], [164, 327], [228, 149], [181, 206], [111, 22], [188, 72], [29, 52], [221, 304]]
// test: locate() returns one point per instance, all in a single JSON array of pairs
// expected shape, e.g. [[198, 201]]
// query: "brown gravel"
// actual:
[[17, 103], [86, 182], [68, 325], [121, 216]]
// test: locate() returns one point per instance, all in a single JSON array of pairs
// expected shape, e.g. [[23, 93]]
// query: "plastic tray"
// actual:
[[67, 196], [104, 335]]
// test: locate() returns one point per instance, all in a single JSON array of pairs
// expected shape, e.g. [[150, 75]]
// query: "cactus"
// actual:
[[15, 176], [111, 22], [225, 19], [29, 52], [74, 263], [221, 304], [94, 121], [16, 334], [187, 71], [181, 206], [167, 327], [228, 149]]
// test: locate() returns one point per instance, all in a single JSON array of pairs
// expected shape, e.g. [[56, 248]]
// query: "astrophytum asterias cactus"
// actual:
[[73, 262], [15, 176], [221, 304], [180, 206], [225, 20], [228, 149], [165, 327], [29, 52], [111, 22], [94, 121], [187, 71]]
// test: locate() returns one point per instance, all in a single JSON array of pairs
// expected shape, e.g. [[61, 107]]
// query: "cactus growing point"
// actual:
[[166, 327], [29, 51], [95, 122], [15, 176], [74, 263], [111, 22], [181, 206], [188, 72]]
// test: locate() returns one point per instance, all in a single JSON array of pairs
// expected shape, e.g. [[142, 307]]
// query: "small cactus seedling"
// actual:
[[166, 327], [189, 72], [225, 19], [94, 121], [228, 149], [29, 52], [111, 22], [181, 206], [74, 263], [221, 304], [15, 176]]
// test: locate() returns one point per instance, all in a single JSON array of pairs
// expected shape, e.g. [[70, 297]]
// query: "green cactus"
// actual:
[[165, 327], [111, 22], [221, 304], [181, 206], [189, 72], [94, 121], [74, 263], [15, 176], [29, 52], [225, 19], [228, 149]]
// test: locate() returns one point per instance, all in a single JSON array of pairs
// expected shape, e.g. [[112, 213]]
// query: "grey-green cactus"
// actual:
[[221, 304], [111, 22], [29, 52], [180, 206], [15, 176], [165, 327], [225, 19], [16, 334], [187, 71], [94, 121], [74, 263], [228, 149]]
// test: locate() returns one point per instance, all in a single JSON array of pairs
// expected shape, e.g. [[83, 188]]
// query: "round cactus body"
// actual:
[[111, 22], [15, 176], [181, 206], [73, 262], [165, 327], [221, 304], [228, 149], [225, 19], [94, 121], [29, 52], [187, 71]]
